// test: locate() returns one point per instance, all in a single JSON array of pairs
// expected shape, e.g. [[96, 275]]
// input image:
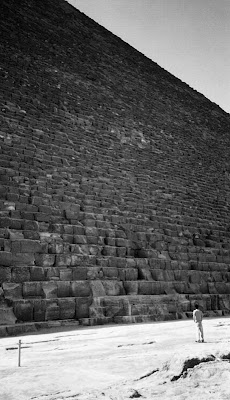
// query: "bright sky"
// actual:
[[189, 38]]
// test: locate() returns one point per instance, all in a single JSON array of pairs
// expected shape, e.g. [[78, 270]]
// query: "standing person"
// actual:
[[197, 318]]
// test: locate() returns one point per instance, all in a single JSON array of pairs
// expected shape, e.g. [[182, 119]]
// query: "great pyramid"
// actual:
[[114, 179]]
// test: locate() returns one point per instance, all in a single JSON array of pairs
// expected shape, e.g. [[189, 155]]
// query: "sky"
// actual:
[[188, 38]]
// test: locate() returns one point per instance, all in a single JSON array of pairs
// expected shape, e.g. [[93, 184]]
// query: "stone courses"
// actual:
[[114, 182]]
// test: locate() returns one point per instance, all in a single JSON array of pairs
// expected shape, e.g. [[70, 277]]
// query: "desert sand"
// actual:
[[158, 360]]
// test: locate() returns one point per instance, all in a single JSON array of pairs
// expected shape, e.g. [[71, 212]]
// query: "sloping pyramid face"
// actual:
[[114, 179]]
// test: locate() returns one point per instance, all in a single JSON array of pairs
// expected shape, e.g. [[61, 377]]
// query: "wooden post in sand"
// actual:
[[19, 353]]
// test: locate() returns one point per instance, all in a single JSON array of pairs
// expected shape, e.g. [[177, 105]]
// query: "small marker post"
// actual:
[[19, 353]]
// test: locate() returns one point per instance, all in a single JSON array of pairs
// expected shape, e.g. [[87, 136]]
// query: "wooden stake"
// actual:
[[19, 353]]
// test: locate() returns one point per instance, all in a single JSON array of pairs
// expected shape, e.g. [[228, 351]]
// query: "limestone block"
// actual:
[[32, 289], [212, 288], [63, 260], [91, 231], [6, 258], [30, 225], [94, 250], [180, 287], [39, 309], [116, 307], [144, 273], [150, 288], [7, 316], [80, 289], [30, 246], [157, 274], [110, 273], [23, 310], [82, 307], [79, 273], [52, 311], [142, 262], [222, 287], [20, 274], [37, 274], [63, 289], [109, 251], [5, 274], [131, 287], [113, 288], [45, 260], [55, 248], [15, 235], [12, 290], [97, 288], [92, 273], [117, 262], [130, 263], [66, 274], [79, 239], [121, 251], [67, 308], [84, 249], [49, 289], [79, 230], [19, 259]]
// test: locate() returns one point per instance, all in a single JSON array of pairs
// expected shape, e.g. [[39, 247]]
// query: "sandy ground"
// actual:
[[117, 362]]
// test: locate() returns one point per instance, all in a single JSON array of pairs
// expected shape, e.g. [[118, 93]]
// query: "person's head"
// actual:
[[197, 306]]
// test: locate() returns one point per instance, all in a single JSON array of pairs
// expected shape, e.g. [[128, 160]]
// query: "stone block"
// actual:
[[79, 239], [121, 251], [63, 260], [30, 225], [66, 274], [23, 311], [49, 290], [131, 287], [116, 307], [30, 246], [52, 311], [63, 289], [7, 316], [110, 273], [94, 273], [37, 274], [3, 330], [113, 288], [97, 289], [67, 308], [32, 289], [80, 289], [6, 258], [19, 259], [79, 273], [55, 248], [5, 274], [144, 273], [150, 288], [82, 307], [20, 274], [39, 309], [12, 290], [109, 251]]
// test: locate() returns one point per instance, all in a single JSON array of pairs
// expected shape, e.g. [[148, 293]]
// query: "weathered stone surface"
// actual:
[[49, 290], [23, 311], [80, 289], [105, 214], [82, 307], [7, 317]]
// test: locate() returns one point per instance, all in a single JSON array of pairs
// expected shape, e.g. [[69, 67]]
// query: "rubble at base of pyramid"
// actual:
[[114, 180]]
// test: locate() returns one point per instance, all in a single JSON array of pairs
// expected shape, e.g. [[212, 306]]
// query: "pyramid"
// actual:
[[114, 179]]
